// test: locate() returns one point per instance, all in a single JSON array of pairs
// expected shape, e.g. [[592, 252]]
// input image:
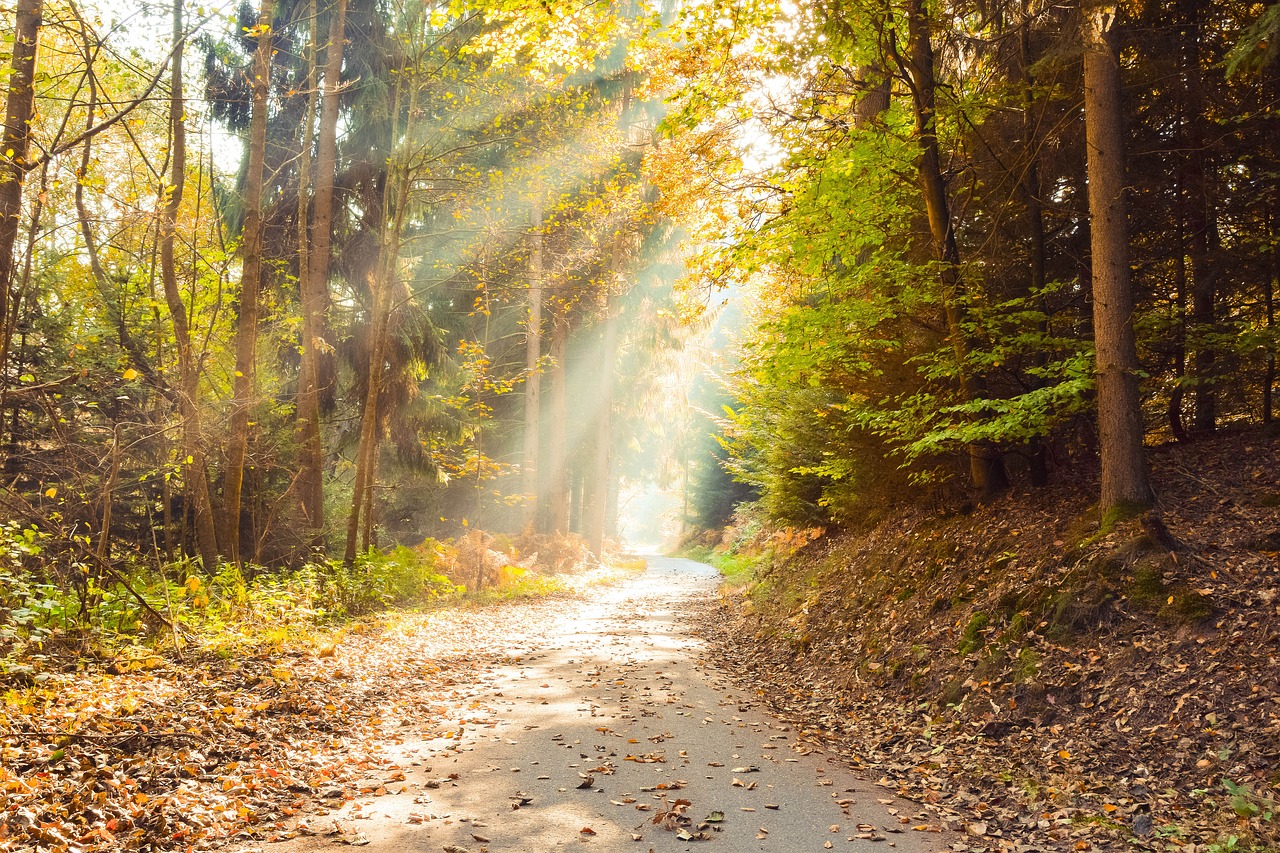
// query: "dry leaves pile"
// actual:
[[169, 757], [1049, 686]]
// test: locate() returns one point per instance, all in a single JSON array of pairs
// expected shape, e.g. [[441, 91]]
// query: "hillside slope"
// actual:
[[1050, 685]]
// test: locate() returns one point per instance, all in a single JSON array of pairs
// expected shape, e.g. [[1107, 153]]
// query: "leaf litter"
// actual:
[[1056, 687], [190, 757]]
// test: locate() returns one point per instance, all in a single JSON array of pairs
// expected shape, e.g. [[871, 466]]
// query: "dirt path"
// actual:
[[612, 733]]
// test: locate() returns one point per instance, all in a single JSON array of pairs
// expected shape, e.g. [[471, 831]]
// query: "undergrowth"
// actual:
[[58, 611]]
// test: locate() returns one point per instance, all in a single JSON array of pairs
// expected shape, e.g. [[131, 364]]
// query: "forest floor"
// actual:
[[575, 722], [1047, 684], [168, 752], [1011, 679]]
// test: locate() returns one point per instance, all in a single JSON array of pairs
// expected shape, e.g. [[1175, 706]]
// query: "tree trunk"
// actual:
[[558, 477], [1124, 470], [601, 476], [1269, 295], [1039, 464], [986, 466], [195, 474], [13, 167], [533, 377], [314, 281], [307, 413], [1201, 218], [250, 283], [366, 453], [1180, 338]]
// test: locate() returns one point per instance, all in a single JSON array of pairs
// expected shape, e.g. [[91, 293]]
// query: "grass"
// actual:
[[736, 568]]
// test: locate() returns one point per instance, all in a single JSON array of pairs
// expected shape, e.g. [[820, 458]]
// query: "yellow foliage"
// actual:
[[510, 575]]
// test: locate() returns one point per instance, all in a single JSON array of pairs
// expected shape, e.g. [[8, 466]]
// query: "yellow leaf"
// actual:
[[130, 375], [51, 492], [1063, 754]]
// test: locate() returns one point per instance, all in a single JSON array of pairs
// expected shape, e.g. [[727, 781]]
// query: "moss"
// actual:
[[1008, 603], [1017, 627], [1186, 607], [1122, 511], [1074, 611], [954, 692], [1147, 585], [972, 639], [1028, 665], [905, 594]]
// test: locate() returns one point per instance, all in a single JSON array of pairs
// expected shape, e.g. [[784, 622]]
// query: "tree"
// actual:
[[250, 284], [313, 276], [985, 464], [1124, 469], [14, 163], [195, 471], [533, 372]]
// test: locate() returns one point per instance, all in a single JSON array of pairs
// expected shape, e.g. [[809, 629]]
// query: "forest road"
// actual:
[[611, 723]]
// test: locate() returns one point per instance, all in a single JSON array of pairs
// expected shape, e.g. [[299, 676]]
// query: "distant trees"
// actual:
[[344, 325]]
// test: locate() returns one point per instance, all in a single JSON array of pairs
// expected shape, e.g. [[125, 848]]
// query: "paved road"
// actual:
[[611, 724]]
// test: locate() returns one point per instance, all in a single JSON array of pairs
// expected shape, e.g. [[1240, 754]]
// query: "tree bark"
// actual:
[[1038, 451], [1125, 486], [394, 205], [195, 475], [307, 407], [313, 280], [1201, 218], [250, 284], [17, 137], [366, 454], [986, 465], [602, 474], [533, 375], [558, 475]]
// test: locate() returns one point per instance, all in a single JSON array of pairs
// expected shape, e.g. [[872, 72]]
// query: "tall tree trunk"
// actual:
[[601, 476], [1124, 469], [1201, 217], [250, 283], [394, 207], [533, 377], [366, 453], [1269, 296], [1035, 227], [195, 474], [1180, 338], [986, 466], [314, 279], [307, 414], [557, 473], [13, 166]]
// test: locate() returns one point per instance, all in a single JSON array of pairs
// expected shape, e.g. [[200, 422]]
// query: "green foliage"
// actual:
[[972, 638]]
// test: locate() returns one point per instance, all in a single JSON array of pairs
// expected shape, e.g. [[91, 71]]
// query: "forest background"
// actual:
[[963, 246]]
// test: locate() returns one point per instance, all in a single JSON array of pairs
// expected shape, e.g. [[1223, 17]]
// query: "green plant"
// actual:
[[1248, 804], [972, 638]]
